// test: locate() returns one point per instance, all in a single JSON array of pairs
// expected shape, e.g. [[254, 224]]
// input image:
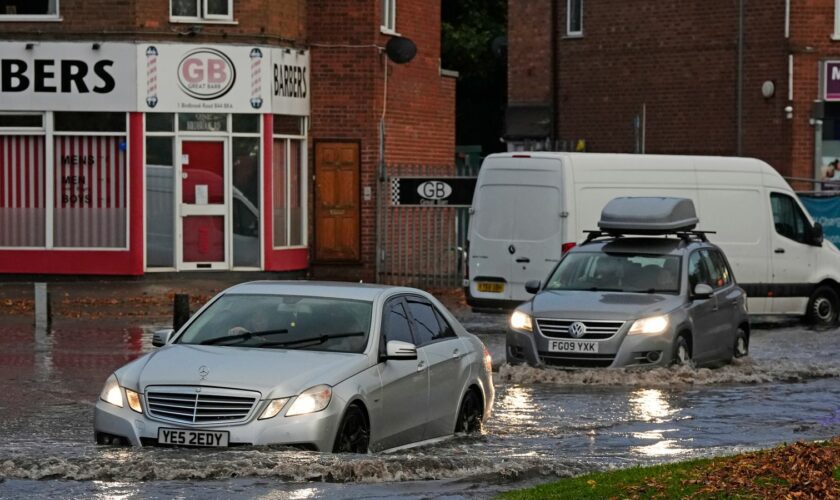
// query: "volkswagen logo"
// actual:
[[577, 329], [203, 371]]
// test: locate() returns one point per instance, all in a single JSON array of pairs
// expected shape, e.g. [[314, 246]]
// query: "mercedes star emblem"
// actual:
[[577, 329], [203, 371]]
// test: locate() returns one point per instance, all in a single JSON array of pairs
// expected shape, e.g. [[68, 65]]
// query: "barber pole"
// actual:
[[151, 77], [256, 78]]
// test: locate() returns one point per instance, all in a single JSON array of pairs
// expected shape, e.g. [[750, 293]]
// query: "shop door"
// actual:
[[337, 202], [203, 205]]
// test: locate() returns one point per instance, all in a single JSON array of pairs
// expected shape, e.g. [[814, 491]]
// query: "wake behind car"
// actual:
[[621, 299], [324, 366]]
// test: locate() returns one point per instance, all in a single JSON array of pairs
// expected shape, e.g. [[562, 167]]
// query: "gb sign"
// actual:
[[206, 74], [434, 190], [425, 191]]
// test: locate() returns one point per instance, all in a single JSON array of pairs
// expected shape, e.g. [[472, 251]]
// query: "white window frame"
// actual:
[[389, 17], [203, 16], [41, 131], [836, 34], [33, 17], [569, 32], [304, 187]]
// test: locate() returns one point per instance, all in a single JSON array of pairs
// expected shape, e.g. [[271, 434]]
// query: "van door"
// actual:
[[793, 258], [516, 230]]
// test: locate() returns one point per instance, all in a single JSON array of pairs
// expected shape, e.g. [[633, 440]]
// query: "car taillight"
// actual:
[[488, 361], [566, 247]]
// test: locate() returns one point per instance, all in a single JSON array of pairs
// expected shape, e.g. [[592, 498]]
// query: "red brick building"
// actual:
[[171, 135], [709, 78]]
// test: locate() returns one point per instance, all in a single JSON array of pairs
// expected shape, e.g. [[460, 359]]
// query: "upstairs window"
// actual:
[[574, 17], [25, 9], [389, 16], [201, 10]]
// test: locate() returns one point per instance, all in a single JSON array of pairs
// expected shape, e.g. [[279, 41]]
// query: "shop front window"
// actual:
[[246, 202], [289, 193], [22, 191]]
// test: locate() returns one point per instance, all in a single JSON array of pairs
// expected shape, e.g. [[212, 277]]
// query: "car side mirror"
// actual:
[[817, 234], [533, 286], [702, 291], [161, 337], [397, 349]]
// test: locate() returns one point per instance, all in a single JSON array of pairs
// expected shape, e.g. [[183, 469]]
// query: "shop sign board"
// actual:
[[290, 79], [185, 78], [433, 191], [67, 76], [831, 82]]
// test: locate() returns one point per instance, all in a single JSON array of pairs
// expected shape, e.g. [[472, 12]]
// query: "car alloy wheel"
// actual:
[[682, 353], [741, 344], [469, 417], [353, 433]]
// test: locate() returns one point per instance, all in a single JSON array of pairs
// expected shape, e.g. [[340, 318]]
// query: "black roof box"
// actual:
[[648, 215]]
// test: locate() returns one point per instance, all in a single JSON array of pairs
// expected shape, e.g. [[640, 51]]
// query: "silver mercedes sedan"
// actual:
[[339, 367]]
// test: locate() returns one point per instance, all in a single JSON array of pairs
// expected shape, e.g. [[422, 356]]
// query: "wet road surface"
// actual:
[[547, 423]]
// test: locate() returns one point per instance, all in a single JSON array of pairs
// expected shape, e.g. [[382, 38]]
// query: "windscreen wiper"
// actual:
[[598, 289], [314, 340], [242, 336]]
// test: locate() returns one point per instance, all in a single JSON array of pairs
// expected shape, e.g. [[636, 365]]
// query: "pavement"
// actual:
[[147, 299]]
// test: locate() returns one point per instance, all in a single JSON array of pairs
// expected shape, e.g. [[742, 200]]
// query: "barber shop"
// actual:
[[125, 158]]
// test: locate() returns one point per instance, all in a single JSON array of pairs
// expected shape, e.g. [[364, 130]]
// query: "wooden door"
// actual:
[[337, 202]]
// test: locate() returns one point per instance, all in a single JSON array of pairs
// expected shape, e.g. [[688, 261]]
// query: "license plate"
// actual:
[[572, 346], [185, 437], [490, 286]]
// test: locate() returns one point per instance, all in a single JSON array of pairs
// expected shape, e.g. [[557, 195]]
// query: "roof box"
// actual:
[[648, 215]]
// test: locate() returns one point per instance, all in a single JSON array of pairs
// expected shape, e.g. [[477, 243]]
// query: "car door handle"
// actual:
[[523, 259], [456, 354], [779, 250], [421, 366]]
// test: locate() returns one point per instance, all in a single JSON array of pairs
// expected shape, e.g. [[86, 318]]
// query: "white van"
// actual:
[[529, 208]]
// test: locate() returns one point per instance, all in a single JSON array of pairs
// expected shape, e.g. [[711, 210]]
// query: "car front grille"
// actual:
[[577, 360], [595, 329], [200, 405]]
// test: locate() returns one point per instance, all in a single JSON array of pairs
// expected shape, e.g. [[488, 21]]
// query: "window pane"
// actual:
[[296, 221], [160, 202], [575, 12], [202, 122], [89, 122], [16, 121], [396, 324], [278, 175], [696, 271], [217, 8], [186, 8], [160, 122], [721, 268], [22, 203], [715, 276], [246, 123], [446, 328], [90, 196], [27, 7], [246, 202], [288, 125], [787, 218], [426, 327]]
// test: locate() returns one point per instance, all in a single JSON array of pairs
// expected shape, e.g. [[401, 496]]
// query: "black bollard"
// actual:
[[180, 310]]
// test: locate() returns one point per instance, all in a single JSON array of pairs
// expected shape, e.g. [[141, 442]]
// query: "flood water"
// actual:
[[547, 423]]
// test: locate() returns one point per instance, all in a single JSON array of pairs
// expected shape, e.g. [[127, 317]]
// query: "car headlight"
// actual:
[[311, 400], [654, 324], [520, 321], [273, 408], [112, 393], [133, 400]]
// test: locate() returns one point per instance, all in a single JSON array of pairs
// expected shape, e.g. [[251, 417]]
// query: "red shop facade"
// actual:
[[124, 158]]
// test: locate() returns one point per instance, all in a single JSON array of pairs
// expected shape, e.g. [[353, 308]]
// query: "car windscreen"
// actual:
[[282, 322], [618, 272]]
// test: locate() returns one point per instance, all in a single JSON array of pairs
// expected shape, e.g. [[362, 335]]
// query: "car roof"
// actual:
[[648, 245], [331, 289]]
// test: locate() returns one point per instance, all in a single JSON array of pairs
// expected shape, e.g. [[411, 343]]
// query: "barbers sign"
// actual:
[[67, 76], [433, 191]]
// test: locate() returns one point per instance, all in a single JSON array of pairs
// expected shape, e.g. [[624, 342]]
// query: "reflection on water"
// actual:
[[649, 405], [516, 406]]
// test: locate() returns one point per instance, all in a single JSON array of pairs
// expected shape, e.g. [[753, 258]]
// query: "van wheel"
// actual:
[[682, 352], [742, 344], [822, 308]]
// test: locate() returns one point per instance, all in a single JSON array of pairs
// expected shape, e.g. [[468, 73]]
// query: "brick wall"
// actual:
[[257, 21], [348, 93], [529, 51]]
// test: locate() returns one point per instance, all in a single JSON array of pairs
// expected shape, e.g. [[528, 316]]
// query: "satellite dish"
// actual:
[[400, 49]]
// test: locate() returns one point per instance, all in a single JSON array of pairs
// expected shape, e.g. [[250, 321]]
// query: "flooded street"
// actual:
[[547, 423]]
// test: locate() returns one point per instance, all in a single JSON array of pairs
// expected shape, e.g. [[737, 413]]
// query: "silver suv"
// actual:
[[619, 301]]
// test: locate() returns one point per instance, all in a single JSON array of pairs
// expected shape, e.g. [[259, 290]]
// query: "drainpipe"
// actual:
[[739, 114], [554, 48]]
